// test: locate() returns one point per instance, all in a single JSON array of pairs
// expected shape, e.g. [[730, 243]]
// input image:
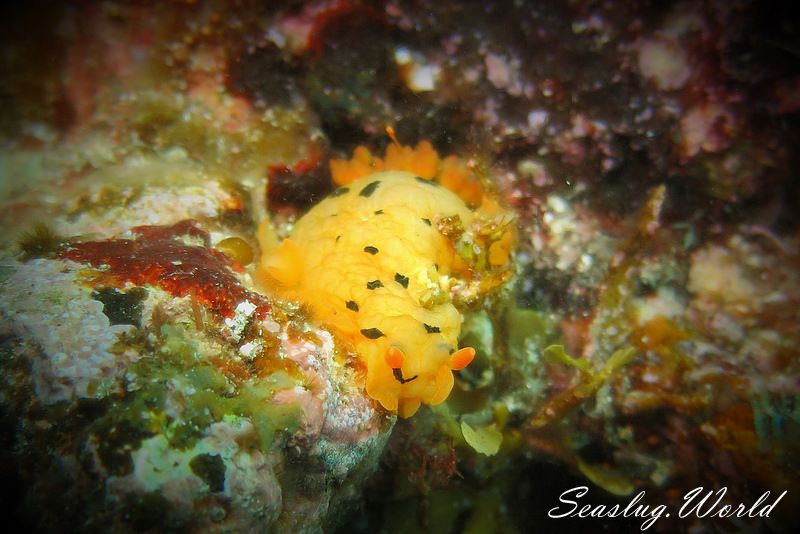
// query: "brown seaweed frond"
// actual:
[[41, 241]]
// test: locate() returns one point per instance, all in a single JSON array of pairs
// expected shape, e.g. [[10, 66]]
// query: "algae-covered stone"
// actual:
[[184, 431]]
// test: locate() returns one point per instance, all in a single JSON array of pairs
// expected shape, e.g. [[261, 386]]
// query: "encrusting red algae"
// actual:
[[155, 256]]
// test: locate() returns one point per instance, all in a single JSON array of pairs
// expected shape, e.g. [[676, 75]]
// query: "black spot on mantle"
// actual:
[[369, 189], [371, 333]]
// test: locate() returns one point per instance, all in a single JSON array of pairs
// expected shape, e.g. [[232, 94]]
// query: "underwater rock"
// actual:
[[180, 396], [193, 409]]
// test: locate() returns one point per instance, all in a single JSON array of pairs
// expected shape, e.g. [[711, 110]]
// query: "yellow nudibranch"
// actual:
[[373, 261]]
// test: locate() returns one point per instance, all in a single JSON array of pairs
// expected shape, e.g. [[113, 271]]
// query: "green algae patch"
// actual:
[[214, 398], [178, 393], [557, 354], [526, 326], [483, 439], [267, 417], [177, 346], [164, 122], [208, 378]]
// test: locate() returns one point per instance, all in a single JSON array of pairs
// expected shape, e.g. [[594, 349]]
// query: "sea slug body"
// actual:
[[370, 261]]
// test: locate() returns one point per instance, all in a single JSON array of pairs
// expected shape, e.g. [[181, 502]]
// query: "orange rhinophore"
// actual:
[[462, 358], [395, 357]]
